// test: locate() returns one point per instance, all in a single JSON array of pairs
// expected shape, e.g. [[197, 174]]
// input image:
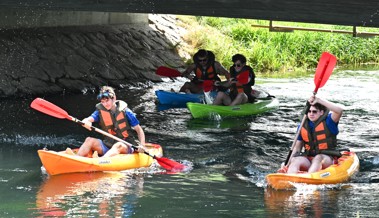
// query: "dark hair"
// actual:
[[239, 57], [203, 53], [320, 107]]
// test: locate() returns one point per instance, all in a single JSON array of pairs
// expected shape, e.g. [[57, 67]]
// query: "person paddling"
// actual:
[[315, 148], [115, 118], [205, 68]]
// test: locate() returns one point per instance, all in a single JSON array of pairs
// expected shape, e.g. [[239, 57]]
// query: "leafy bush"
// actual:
[[279, 52]]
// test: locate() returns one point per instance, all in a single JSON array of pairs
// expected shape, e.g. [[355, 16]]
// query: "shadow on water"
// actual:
[[163, 107]]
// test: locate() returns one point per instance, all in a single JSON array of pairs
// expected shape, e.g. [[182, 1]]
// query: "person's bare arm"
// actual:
[[141, 137], [187, 72], [334, 108], [88, 122], [141, 134], [221, 70]]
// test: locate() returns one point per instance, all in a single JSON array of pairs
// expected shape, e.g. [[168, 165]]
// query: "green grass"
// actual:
[[279, 54]]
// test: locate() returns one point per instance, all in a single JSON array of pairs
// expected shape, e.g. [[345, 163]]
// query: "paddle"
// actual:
[[166, 71], [242, 78], [55, 111], [207, 87], [323, 71]]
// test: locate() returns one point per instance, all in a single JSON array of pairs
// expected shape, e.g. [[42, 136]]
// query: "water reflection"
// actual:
[[94, 194], [308, 201], [163, 107], [224, 123]]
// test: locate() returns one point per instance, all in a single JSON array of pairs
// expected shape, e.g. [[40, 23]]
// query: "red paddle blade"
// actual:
[[243, 78], [324, 69], [166, 71], [207, 85], [51, 109], [170, 165]]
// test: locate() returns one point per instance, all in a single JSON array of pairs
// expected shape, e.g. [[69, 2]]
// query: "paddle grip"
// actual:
[[305, 110]]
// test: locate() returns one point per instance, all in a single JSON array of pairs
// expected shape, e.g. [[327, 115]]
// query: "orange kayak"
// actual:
[[347, 165], [61, 162]]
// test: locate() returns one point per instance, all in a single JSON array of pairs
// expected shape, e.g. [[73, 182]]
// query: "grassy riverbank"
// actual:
[[278, 53]]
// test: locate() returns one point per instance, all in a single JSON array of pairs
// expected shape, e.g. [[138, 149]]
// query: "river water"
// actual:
[[228, 158]]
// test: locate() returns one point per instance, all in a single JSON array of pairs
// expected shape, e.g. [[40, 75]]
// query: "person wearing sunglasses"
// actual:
[[205, 68], [315, 148], [116, 118], [240, 90]]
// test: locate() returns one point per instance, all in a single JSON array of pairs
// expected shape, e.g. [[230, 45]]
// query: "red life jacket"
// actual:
[[321, 140], [240, 88], [243, 87], [114, 123]]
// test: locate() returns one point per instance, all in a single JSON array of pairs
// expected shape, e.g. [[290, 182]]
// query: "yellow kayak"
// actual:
[[61, 162], [347, 165]]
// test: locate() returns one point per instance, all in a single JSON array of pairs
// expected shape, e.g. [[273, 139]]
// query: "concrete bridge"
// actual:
[[362, 13]]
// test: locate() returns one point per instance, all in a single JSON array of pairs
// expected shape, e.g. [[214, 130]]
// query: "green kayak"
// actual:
[[199, 110]]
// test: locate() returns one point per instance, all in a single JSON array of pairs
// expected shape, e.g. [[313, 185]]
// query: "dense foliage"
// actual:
[[279, 52]]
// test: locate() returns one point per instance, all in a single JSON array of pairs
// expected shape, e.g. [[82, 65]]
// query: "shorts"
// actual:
[[106, 149], [310, 158]]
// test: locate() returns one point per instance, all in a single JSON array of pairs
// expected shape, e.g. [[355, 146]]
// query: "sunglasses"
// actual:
[[203, 60], [238, 65], [313, 111], [105, 95]]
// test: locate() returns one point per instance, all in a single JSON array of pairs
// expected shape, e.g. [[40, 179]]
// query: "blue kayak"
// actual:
[[178, 99]]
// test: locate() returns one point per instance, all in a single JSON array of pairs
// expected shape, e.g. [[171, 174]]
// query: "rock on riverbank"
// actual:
[[73, 59]]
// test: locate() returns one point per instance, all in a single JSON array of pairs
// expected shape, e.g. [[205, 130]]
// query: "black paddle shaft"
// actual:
[[304, 112]]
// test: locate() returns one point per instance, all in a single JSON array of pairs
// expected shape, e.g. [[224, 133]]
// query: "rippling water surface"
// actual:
[[229, 158]]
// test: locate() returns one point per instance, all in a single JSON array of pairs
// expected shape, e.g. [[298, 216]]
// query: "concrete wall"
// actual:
[[10, 19], [338, 12], [79, 59]]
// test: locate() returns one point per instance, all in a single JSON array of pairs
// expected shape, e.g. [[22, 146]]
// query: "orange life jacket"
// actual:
[[114, 123], [321, 140], [206, 74]]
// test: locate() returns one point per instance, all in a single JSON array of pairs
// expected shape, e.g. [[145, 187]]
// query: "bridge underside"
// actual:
[[363, 13]]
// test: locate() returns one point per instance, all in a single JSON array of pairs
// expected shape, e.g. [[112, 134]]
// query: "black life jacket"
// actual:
[[239, 88]]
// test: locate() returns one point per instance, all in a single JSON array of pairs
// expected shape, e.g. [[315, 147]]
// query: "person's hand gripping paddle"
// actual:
[[49, 108], [324, 69]]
